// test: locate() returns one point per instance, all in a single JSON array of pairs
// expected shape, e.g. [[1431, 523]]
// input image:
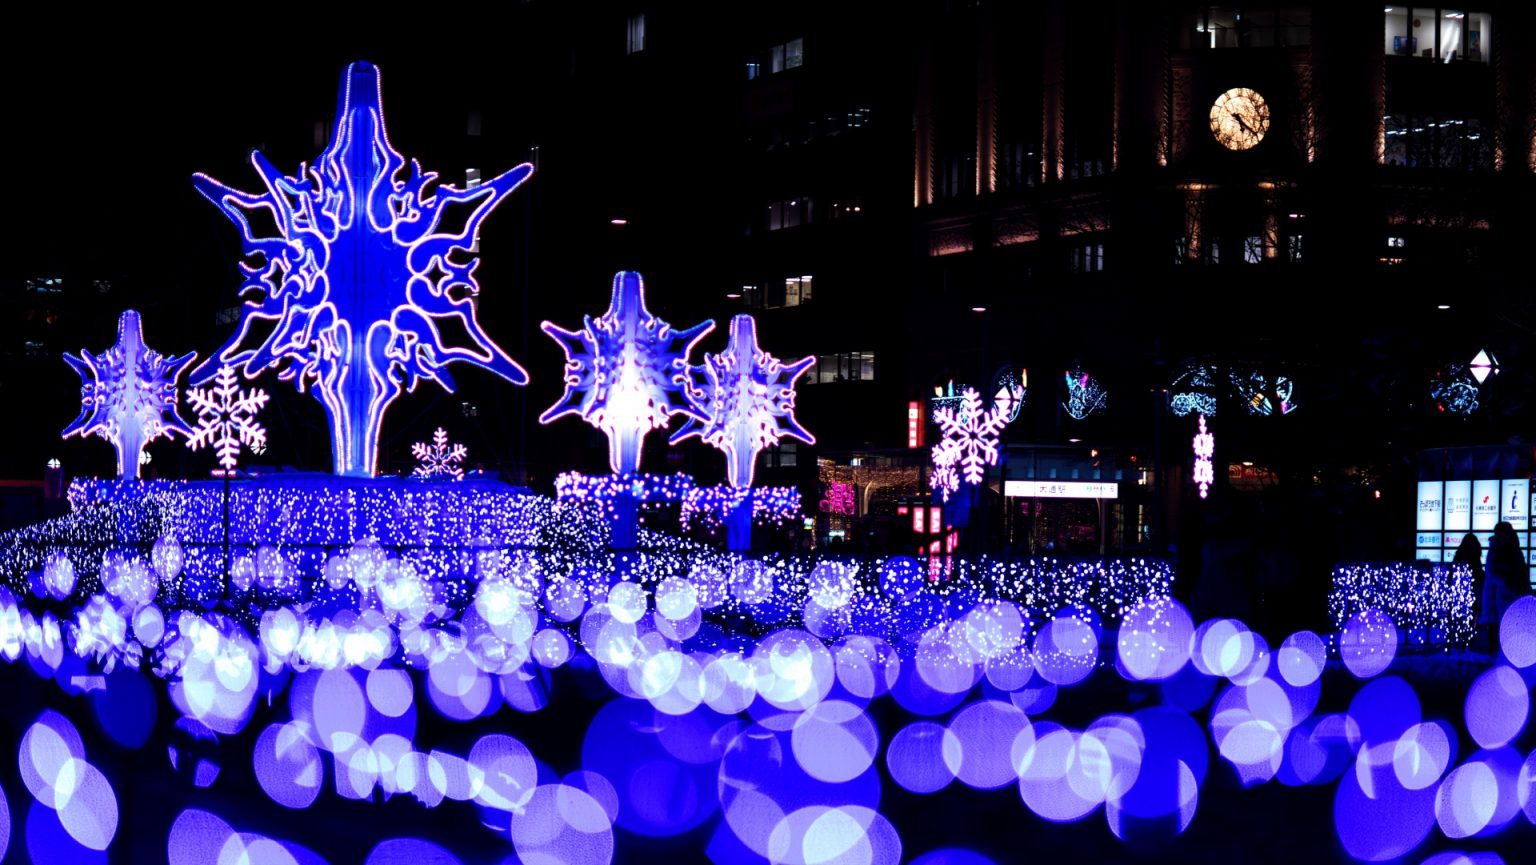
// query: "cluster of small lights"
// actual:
[[1194, 391], [379, 636], [1455, 390], [708, 506], [602, 492], [1084, 394], [1432, 604], [1260, 397], [1185, 404]]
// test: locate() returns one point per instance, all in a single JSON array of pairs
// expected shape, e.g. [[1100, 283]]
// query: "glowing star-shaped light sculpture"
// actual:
[[1205, 448], [626, 372], [350, 291], [439, 457], [749, 398], [226, 418], [970, 438], [128, 395]]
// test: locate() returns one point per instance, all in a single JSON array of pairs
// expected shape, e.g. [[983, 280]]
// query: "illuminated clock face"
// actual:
[[1239, 118]]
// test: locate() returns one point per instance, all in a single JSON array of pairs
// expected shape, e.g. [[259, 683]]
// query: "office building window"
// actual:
[[788, 214], [787, 55], [636, 42], [1444, 35], [1087, 258], [792, 291], [1246, 27], [46, 285], [1428, 142], [1294, 247], [754, 69], [844, 366], [1253, 249], [785, 456]]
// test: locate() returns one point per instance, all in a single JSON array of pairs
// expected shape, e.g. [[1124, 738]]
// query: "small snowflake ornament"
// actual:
[[970, 436], [439, 457], [1205, 448], [226, 418]]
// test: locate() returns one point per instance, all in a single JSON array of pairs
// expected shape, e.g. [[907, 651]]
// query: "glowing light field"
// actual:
[[444, 669]]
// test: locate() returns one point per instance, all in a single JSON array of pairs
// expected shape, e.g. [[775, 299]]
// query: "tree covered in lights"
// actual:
[[626, 372], [346, 298], [749, 400], [128, 395]]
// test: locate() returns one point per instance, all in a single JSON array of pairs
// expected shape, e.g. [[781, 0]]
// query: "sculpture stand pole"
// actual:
[[626, 522], [738, 525]]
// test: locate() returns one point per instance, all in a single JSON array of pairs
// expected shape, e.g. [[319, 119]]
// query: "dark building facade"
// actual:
[[1304, 221]]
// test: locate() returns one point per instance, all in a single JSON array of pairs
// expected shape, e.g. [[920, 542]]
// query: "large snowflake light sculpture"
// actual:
[[226, 418], [1205, 448], [749, 400], [350, 291], [439, 457], [1084, 394], [970, 437], [128, 395], [626, 372]]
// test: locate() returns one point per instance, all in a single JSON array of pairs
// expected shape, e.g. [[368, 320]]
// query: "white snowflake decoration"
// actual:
[[226, 418], [970, 436], [945, 480], [1205, 448], [439, 458]]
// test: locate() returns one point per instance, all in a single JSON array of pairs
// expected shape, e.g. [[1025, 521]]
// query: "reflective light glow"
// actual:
[[1205, 448], [226, 418], [350, 289], [749, 400], [626, 372], [128, 395]]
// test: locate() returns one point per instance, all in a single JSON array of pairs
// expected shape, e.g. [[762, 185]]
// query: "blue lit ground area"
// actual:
[[388, 672]]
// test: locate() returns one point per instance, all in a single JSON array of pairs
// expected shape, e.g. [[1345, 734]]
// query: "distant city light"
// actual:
[[618, 221], [978, 309]]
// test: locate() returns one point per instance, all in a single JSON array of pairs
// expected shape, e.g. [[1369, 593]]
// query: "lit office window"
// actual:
[[1442, 35], [636, 42], [1087, 258], [787, 55]]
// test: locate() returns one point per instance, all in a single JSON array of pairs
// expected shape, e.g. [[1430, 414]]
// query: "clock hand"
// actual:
[[1239, 119]]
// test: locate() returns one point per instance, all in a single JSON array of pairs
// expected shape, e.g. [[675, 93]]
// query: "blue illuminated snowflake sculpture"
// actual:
[[350, 291], [128, 395], [626, 372], [749, 396]]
